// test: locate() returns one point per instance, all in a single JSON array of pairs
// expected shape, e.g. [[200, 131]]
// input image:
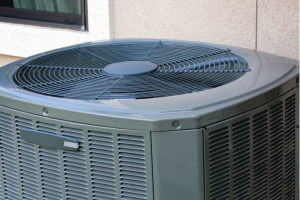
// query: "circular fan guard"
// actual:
[[182, 68]]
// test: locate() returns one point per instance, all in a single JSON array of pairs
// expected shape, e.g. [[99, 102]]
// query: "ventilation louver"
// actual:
[[262, 162], [130, 70]]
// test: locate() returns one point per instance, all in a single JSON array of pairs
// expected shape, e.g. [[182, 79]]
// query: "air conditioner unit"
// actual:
[[150, 119]]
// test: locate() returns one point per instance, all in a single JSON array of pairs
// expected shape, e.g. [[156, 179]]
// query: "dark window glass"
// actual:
[[7, 3], [70, 12]]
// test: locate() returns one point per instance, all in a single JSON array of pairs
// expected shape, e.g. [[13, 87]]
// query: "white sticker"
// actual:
[[71, 144]]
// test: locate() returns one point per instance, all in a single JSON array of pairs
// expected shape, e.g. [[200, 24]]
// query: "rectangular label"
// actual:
[[71, 144]]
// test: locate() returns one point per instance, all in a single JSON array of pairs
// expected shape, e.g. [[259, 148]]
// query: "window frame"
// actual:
[[46, 19]]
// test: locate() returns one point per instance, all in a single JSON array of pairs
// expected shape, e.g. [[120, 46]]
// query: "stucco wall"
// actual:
[[24, 40], [224, 22], [228, 22], [278, 27], [5, 59]]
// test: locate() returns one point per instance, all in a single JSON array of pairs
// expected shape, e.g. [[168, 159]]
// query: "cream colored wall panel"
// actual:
[[5, 59], [24, 40], [278, 27], [219, 21]]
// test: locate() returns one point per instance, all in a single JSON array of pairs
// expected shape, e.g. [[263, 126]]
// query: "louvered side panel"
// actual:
[[102, 165], [241, 159], [276, 151], [263, 161], [41, 126], [49, 163], [27, 159], [75, 166], [9, 165], [132, 167], [290, 148], [260, 155], [219, 164], [1, 188]]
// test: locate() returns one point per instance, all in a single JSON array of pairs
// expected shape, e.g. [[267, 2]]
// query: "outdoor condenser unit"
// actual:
[[149, 119]]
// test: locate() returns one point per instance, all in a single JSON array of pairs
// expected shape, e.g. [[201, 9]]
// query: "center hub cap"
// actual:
[[130, 68]]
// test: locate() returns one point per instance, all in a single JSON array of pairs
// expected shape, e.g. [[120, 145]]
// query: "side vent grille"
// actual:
[[27, 159], [109, 164], [9, 165], [219, 163], [276, 151], [132, 167], [254, 155], [75, 166], [51, 128], [290, 148], [260, 155], [102, 165], [241, 159], [49, 163]]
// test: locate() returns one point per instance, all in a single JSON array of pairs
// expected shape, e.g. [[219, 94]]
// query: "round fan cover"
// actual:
[[125, 70]]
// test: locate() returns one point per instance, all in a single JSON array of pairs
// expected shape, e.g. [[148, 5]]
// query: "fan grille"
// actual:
[[182, 68]]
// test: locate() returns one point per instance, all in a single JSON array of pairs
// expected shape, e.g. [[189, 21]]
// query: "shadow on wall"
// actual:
[[5, 59]]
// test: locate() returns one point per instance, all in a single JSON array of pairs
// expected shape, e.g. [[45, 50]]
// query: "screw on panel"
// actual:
[[176, 125], [45, 112], [297, 126]]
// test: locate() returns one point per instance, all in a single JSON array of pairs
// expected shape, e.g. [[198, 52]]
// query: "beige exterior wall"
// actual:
[[5, 59], [278, 27], [219, 21], [231, 22]]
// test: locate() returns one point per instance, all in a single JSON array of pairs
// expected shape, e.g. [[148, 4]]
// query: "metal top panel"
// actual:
[[271, 76]]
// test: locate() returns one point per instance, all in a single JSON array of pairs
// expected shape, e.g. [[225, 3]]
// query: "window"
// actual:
[[62, 13]]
